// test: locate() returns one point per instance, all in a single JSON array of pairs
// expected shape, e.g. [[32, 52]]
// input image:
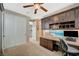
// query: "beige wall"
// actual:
[[38, 29]]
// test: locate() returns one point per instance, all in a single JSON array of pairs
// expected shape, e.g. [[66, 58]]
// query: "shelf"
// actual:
[[62, 25]]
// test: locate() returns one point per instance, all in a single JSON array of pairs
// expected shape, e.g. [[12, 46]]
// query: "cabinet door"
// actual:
[[45, 24], [70, 15], [51, 20], [77, 18], [62, 17], [41, 42], [54, 19], [50, 44], [46, 43]]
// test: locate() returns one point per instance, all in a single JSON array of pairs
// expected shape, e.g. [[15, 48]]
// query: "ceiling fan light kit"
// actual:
[[36, 6]]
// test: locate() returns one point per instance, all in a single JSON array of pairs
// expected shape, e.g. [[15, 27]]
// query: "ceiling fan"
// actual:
[[37, 6]]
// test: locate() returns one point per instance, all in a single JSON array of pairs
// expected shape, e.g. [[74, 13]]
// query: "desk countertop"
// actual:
[[50, 38], [76, 43]]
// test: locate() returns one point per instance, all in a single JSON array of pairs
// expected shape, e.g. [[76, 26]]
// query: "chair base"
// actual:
[[71, 54]]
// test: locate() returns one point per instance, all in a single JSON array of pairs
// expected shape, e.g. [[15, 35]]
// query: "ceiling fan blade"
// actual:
[[41, 3], [44, 9], [35, 11], [27, 6]]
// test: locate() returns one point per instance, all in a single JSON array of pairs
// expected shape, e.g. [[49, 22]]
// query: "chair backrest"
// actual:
[[63, 45]]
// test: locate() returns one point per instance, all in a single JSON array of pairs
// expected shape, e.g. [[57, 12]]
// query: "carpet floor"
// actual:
[[30, 49]]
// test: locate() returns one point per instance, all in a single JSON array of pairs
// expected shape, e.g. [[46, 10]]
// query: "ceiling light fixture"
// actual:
[[36, 6]]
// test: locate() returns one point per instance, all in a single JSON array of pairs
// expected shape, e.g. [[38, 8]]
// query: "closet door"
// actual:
[[15, 29]]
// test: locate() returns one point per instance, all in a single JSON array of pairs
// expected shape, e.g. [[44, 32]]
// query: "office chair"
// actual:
[[67, 49]]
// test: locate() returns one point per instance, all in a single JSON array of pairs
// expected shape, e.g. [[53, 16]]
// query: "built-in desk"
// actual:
[[76, 43], [48, 42]]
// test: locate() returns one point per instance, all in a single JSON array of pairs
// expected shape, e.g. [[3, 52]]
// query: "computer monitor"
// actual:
[[71, 33]]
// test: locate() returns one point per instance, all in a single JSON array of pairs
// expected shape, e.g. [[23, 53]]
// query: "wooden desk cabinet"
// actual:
[[46, 43], [50, 43]]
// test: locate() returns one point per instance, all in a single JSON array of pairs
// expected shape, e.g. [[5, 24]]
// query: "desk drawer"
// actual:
[[46, 43]]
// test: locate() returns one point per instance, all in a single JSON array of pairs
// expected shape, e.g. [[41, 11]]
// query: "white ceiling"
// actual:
[[52, 7]]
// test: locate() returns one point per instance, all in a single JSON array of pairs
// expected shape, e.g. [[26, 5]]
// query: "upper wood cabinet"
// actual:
[[77, 18], [63, 17], [69, 15]]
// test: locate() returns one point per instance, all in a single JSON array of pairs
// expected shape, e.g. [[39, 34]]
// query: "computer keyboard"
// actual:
[[70, 39]]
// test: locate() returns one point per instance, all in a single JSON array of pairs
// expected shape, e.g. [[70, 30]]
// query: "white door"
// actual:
[[14, 30], [34, 32]]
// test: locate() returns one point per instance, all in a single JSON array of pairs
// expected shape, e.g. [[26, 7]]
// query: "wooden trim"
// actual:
[[1, 53]]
